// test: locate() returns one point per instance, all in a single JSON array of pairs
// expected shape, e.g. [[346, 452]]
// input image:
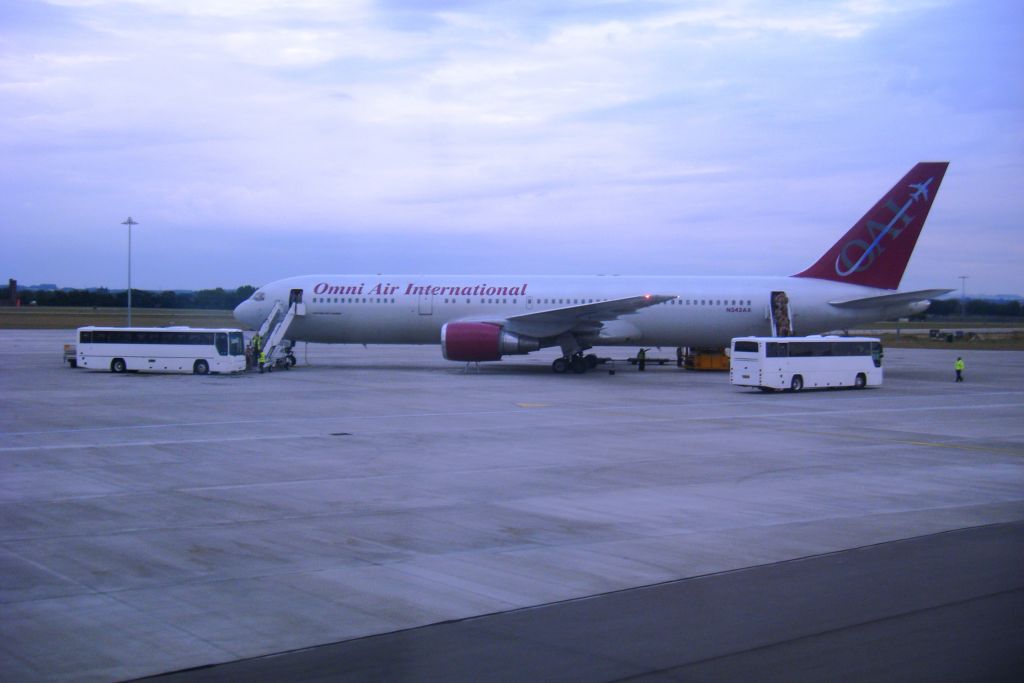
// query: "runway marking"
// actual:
[[964, 447], [908, 442], [164, 442], [533, 405], [288, 420], [624, 411], [781, 411]]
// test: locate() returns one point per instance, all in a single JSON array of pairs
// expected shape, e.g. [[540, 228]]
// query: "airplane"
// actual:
[[478, 318]]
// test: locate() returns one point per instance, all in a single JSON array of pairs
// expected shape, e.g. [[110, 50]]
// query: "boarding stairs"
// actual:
[[273, 332]]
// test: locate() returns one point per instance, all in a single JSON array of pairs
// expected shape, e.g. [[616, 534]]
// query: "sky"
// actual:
[[254, 140]]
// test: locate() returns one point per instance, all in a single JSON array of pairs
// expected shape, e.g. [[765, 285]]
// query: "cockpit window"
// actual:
[[259, 296]]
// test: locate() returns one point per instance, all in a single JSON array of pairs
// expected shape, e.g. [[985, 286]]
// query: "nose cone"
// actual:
[[247, 314]]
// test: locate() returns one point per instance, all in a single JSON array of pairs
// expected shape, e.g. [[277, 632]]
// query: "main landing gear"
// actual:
[[577, 362]]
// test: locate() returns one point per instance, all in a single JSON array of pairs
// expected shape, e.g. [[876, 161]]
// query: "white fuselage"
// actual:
[[707, 311]]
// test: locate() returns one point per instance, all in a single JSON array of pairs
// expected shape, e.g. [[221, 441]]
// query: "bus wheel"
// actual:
[[118, 365], [201, 367], [860, 382], [797, 384]]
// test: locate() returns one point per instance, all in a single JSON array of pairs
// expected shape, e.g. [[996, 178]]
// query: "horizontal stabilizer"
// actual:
[[898, 299]]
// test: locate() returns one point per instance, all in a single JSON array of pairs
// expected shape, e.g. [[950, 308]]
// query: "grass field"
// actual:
[[967, 335], [998, 336], [1002, 341]]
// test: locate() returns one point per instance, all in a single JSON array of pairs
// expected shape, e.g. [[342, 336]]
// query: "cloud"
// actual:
[[233, 9], [572, 122]]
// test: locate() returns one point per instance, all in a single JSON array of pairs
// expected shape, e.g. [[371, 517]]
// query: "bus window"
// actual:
[[222, 343], [745, 347], [800, 349], [237, 344], [85, 337], [851, 348]]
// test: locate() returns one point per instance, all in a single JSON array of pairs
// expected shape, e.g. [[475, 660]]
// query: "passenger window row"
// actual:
[[559, 301]]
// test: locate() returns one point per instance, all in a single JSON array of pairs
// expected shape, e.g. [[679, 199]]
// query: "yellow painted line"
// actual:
[[963, 447], [933, 444]]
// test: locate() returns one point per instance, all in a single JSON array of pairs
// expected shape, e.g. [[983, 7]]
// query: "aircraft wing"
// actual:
[[900, 298], [581, 318]]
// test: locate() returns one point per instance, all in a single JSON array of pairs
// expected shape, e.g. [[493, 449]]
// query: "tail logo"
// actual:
[[845, 263]]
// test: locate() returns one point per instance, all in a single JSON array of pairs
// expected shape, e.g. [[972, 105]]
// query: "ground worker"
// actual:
[[641, 359], [263, 359], [959, 366], [257, 349]]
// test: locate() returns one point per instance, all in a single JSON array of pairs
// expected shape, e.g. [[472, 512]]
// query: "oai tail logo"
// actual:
[[876, 250], [867, 257]]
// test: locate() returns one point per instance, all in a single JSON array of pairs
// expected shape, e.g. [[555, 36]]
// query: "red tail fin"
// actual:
[[876, 250]]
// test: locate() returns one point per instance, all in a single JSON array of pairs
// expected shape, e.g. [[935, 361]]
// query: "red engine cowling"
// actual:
[[470, 341]]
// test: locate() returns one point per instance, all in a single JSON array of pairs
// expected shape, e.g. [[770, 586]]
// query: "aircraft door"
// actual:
[[295, 302], [426, 304], [781, 316]]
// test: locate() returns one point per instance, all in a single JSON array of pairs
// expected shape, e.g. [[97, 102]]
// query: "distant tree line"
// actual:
[[218, 298], [988, 308], [224, 299]]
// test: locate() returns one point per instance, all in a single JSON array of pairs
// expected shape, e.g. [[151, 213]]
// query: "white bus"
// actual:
[[796, 363], [161, 349]]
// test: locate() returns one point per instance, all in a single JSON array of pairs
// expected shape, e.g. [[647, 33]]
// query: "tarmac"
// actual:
[[382, 514]]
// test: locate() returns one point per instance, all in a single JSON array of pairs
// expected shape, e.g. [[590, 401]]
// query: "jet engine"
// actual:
[[918, 307], [469, 341]]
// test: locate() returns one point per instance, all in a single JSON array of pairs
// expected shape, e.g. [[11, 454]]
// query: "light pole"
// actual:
[[963, 296], [130, 222]]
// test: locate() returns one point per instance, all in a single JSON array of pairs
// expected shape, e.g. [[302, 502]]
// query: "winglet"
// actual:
[[876, 250]]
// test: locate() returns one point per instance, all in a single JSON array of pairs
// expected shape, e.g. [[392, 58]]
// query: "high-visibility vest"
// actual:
[[959, 364]]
